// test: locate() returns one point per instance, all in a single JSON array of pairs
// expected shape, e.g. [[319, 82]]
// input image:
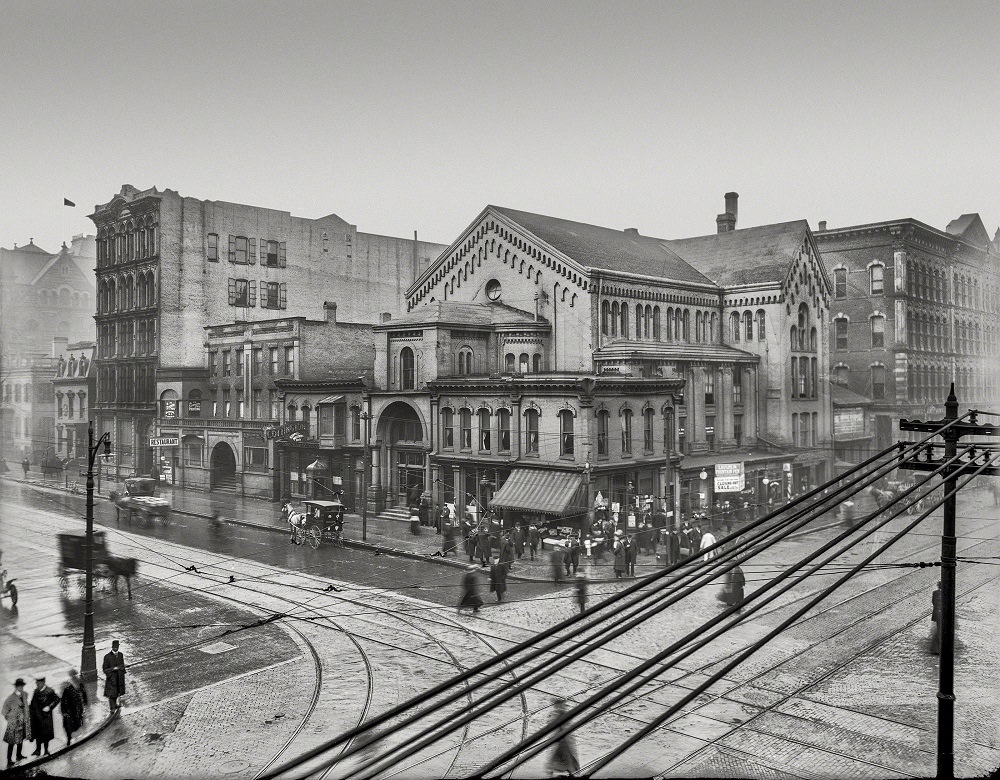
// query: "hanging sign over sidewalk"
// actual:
[[165, 441], [729, 477], [289, 429]]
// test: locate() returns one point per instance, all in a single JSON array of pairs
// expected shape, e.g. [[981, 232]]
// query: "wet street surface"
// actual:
[[244, 651]]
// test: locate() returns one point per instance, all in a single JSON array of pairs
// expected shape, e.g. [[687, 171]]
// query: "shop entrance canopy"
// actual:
[[545, 492]]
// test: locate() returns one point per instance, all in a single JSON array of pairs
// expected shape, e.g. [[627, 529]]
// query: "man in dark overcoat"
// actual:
[[632, 550], [517, 536], [673, 547], [735, 582], [935, 641], [507, 551], [534, 539], [43, 702], [114, 675], [498, 578], [483, 543], [468, 538], [573, 553]]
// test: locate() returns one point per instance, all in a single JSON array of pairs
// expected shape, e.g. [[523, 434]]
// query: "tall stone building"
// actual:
[[541, 360], [168, 266], [914, 309]]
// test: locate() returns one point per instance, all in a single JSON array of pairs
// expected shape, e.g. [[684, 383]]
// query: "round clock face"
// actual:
[[493, 290]]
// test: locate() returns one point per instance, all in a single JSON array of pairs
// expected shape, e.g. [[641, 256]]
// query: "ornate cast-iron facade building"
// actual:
[[168, 266], [914, 308]]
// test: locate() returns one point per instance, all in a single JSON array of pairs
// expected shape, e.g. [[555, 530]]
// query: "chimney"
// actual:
[[385, 316], [726, 222], [329, 311], [632, 231], [822, 224], [59, 345]]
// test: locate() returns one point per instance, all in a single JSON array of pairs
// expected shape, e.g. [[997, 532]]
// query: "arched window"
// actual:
[[465, 361], [531, 430], [536, 363], [647, 322], [603, 424], [793, 338], [509, 363], [713, 328], [678, 325], [878, 382], [406, 362], [605, 316], [840, 332], [656, 323], [522, 362], [813, 340], [840, 283], [484, 430], [626, 432], [638, 322], [447, 429], [194, 403], [734, 326], [878, 331], [647, 430], [687, 325], [877, 273], [624, 321], [699, 326], [748, 325], [503, 430], [670, 324], [465, 429], [761, 332], [615, 316], [566, 442]]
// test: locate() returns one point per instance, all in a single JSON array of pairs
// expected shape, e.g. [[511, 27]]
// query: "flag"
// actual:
[[68, 202]]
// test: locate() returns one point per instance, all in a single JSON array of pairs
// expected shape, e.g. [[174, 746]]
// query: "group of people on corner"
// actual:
[[32, 720]]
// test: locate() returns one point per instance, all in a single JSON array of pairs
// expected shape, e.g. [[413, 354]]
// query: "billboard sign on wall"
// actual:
[[729, 477]]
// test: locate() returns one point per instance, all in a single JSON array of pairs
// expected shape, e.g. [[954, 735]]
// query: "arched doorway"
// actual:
[[223, 465], [403, 454]]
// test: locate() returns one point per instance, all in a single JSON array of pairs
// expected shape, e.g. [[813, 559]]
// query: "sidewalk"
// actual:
[[385, 535]]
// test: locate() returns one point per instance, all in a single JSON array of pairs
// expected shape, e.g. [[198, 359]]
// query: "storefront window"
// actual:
[[192, 451], [255, 459]]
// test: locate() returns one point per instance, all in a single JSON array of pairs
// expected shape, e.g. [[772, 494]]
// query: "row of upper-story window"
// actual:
[[805, 429], [876, 378], [128, 240], [131, 291], [280, 361], [242, 250], [675, 325], [876, 332], [126, 383], [75, 402], [127, 338], [243, 293], [17, 392], [927, 332], [226, 404], [928, 284], [64, 298], [805, 378]]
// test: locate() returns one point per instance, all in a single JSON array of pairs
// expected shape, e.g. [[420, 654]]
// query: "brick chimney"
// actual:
[[726, 222], [822, 224], [329, 311], [632, 231], [385, 316]]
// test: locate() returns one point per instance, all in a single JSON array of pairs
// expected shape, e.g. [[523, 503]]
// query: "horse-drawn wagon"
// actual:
[[319, 521], [139, 498], [107, 568]]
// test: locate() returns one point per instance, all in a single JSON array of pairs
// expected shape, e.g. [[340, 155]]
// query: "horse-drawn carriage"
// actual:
[[139, 498], [107, 568], [319, 521]]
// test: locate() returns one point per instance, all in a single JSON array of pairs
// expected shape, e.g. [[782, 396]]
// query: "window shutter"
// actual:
[[252, 251], [281, 295], [232, 248], [263, 294], [232, 292], [281, 256], [263, 251], [252, 293]]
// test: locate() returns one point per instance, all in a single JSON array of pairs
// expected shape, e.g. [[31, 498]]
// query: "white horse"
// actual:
[[295, 520]]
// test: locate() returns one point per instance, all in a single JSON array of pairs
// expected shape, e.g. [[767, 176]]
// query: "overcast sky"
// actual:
[[411, 116]]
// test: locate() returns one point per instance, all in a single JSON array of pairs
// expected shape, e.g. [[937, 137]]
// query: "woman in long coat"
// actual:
[[74, 699], [15, 712]]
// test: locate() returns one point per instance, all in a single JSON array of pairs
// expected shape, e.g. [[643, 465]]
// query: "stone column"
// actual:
[[724, 410], [749, 406], [694, 397]]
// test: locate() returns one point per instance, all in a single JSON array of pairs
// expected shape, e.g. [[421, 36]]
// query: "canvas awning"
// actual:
[[545, 492], [330, 399]]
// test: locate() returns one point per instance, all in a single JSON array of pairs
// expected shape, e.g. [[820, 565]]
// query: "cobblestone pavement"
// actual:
[[848, 691]]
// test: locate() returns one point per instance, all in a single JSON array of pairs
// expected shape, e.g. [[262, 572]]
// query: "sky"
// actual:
[[403, 116]]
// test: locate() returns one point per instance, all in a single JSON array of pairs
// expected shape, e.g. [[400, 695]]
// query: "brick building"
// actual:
[[549, 352], [168, 266], [914, 308], [73, 385], [268, 398], [29, 405]]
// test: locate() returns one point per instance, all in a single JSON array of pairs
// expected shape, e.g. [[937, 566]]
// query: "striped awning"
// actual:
[[330, 399], [545, 492]]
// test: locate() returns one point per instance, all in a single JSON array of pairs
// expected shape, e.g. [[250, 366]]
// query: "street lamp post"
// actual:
[[366, 418], [88, 660]]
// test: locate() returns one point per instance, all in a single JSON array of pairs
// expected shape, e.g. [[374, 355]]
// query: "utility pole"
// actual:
[[946, 672], [88, 659]]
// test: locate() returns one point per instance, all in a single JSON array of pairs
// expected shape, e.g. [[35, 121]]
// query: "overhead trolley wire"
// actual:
[[503, 656], [474, 711]]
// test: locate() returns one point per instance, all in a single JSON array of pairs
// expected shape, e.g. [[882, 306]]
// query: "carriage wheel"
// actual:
[[314, 536]]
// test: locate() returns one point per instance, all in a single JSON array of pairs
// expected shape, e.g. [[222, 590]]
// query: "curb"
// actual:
[[33, 764]]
